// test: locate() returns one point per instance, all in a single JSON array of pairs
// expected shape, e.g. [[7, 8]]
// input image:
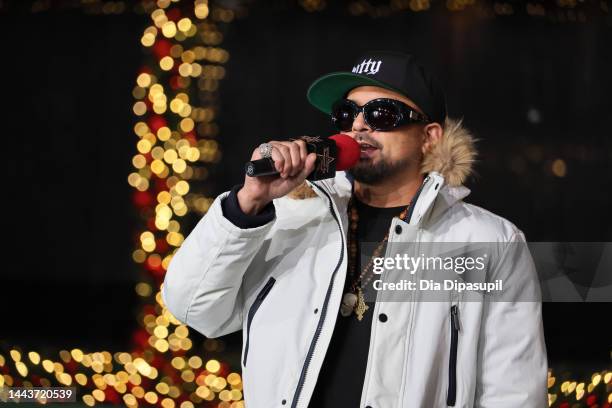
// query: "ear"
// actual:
[[432, 134]]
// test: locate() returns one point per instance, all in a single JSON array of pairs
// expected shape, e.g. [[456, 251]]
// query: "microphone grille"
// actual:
[[348, 151]]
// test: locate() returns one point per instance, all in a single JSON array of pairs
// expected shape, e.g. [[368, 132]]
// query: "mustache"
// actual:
[[364, 137]]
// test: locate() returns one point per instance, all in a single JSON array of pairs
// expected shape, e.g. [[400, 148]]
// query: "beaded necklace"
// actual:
[[353, 300]]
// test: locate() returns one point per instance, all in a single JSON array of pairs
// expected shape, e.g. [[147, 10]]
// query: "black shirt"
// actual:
[[340, 381], [341, 378]]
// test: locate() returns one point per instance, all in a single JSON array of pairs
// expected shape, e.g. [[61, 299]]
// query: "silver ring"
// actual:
[[265, 150]]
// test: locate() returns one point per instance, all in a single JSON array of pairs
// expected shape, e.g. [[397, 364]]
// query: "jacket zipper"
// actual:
[[452, 362], [317, 333], [414, 200], [253, 309]]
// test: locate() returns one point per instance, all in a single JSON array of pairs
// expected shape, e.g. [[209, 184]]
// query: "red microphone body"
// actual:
[[335, 153]]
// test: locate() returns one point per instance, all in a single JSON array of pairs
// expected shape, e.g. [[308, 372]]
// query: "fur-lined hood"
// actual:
[[453, 157]]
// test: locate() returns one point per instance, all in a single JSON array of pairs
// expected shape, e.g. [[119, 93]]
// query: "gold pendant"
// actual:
[[349, 300], [361, 306]]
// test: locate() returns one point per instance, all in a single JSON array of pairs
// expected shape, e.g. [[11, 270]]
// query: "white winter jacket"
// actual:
[[282, 283]]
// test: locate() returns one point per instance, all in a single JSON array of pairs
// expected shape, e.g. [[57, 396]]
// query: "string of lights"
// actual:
[[175, 106]]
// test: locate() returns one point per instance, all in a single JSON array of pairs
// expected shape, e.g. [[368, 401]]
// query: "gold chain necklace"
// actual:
[[353, 300]]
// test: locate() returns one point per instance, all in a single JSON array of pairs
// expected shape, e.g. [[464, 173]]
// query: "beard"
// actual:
[[370, 173]]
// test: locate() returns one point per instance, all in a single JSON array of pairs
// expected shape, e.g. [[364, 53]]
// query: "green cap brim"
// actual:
[[325, 91]]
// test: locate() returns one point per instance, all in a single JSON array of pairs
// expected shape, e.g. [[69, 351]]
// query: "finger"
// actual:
[[288, 161], [256, 155], [296, 159], [303, 149], [257, 151], [309, 166], [277, 157], [285, 154]]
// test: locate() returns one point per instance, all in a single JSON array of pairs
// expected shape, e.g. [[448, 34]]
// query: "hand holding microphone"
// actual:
[[289, 163]]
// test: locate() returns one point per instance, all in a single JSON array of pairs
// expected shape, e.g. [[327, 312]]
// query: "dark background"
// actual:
[[531, 90], [66, 122]]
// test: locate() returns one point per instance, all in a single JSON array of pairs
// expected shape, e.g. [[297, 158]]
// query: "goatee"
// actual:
[[367, 172]]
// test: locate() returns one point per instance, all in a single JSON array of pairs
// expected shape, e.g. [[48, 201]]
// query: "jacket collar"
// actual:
[[433, 201]]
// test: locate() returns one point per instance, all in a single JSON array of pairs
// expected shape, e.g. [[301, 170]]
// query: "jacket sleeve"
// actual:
[[512, 362], [203, 285]]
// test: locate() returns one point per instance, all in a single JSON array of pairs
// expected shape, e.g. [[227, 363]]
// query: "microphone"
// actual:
[[335, 153]]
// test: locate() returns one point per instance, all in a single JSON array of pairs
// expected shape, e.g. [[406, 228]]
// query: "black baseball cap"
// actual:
[[396, 71]]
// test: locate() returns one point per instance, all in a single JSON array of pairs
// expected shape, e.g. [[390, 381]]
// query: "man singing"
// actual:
[[279, 258]]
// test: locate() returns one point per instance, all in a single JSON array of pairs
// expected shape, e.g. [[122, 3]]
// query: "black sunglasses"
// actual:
[[380, 114]]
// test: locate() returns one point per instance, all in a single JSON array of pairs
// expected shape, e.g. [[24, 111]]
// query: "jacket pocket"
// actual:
[[451, 396], [252, 310]]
